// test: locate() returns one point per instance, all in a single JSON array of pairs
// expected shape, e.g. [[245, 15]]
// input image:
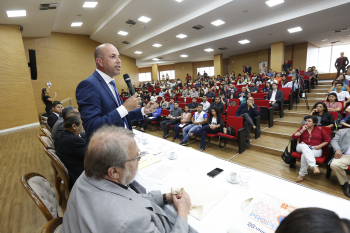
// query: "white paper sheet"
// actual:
[[187, 163], [161, 173]]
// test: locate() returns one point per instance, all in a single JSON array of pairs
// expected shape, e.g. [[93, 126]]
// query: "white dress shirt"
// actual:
[[342, 95], [290, 84], [206, 105], [121, 109], [273, 96]]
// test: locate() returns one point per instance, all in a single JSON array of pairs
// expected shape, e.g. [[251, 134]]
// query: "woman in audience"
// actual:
[[223, 98], [267, 88], [47, 99], [154, 97], [248, 111], [164, 104], [258, 80], [332, 103], [320, 109], [284, 80], [263, 68], [185, 118], [249, 94], [214, 126], [233, 75], [151, 117], [345, 87], [241, 81], [201, 93], [243, 94], [313, 220], [312, 139], [249, 80]]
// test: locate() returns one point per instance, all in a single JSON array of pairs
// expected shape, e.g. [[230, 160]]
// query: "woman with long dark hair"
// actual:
[[332, 103], [267, 88], [320, 109], [214, 126], [47, 99]]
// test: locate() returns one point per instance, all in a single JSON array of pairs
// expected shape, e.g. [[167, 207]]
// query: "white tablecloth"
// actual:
[[229, 208]]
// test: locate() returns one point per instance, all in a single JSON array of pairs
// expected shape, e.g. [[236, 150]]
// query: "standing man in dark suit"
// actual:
[[341, 63], [248, 69], [56, 112], [98, 98], [71, 148], [274, 96]]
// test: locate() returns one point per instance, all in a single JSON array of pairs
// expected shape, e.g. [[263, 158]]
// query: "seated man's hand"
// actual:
[[182, 204], [338, 154]]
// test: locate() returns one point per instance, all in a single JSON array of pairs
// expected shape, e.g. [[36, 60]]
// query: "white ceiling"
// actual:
[[244, 19]]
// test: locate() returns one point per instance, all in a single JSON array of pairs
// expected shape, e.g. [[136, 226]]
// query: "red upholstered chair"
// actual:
[[266, 112], [188, 100], [158, 90], [159, 98], [199, 100], [231, 110], [258, 96], [182, 105], [335, 115], [237, 124], [167, 95], [181, 99], [164, 112], [210, 100], [167, 98], [236, 100], [288, 96], [326, 154], [150, 88]]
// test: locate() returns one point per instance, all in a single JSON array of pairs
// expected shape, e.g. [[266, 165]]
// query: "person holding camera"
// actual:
[[312, 139]]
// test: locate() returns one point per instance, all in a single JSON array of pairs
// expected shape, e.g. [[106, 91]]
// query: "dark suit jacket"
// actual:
[[98, 106], [71, 151], [248, 69], [279, 95], [51, 120], [220, 106], [345, 61]]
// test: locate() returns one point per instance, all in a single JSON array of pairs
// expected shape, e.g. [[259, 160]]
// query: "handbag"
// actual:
[[287, 156], [231, 131]]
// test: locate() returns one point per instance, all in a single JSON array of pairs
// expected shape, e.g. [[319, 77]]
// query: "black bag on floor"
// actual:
[[287, 156]]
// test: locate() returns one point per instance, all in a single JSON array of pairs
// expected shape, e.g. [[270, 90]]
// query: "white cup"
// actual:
[[233, 176], [172, 155]]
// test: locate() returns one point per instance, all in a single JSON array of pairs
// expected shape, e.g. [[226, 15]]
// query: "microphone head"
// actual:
[[126, 77]]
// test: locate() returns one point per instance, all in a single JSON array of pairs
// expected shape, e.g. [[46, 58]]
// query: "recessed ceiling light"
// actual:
[[144, 19], [209, 50], [123, 33], [90, 4], [179, 0], [297, 29], [157, 45], [76, 24], [155, 59], [244, 41], [272, 3], [325, 40], [18, 13], [138, 52], [218, 22], [183, 55], [181, 36]]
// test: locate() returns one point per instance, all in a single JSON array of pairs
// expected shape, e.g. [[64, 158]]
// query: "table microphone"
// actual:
[[127, 80]]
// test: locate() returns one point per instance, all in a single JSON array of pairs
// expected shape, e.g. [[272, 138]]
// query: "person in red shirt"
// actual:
[[312, 139], [188, 78]]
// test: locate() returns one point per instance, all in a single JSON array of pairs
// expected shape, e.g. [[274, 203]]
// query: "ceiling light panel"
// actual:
[[76, 24], [272, 3], [90, 4], [325, 40], [183, 55], [218, 22], [179, 0], [297, 29], [144, 19], [19, 13], [209, 50], [181, 36], [123, 33], [138, 52], [157, 45], [244, 41], [155, 59]]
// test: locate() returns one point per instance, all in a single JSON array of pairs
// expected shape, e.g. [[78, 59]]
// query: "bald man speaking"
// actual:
[[98, 98]]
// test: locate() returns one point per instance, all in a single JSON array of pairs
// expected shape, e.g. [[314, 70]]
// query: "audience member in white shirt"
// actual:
[[154, 97], [205, 103], [292, 84], [342, 95]]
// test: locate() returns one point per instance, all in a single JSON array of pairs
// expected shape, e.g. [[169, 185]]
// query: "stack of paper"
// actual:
[[148, 160]]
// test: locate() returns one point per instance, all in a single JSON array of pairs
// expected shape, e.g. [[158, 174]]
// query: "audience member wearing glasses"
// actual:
[[320, 109], [312, 139], [313, 220], [248, 111], [185, 119], [105, 198], [341, 161], [214, 126], [58, 128]]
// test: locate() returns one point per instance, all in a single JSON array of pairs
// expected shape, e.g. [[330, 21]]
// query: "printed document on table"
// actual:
[[161, 173], [188, 162]]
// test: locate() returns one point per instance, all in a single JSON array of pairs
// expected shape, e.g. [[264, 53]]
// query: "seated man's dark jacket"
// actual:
[[51, 120], [71, 151]]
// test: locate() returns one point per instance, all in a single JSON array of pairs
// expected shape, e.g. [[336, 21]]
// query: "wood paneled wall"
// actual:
[[253, 58], [182, 69], [288, 52], [65, 60], [277, 56], [226, 64], [16, 93], [299, 55]]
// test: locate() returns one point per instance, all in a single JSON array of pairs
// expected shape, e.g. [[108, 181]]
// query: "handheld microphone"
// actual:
[[127, 80]]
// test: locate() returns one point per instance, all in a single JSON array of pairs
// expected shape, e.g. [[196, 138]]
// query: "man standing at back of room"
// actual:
[[98, 99], [341, 63]]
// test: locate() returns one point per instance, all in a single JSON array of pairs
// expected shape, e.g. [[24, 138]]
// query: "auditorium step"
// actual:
[[269, 143], [319, 90], [317, 95]]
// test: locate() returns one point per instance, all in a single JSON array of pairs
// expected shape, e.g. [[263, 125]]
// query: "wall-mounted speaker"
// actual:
[[32, 64]]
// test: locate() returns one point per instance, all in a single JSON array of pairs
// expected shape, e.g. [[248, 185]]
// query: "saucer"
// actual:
[[228, 178], [172, 158]]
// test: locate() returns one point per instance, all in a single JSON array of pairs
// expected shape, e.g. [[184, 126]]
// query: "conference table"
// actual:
[[194, 165]]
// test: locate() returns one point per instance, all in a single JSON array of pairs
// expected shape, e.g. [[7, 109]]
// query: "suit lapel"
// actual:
[[105, 86]]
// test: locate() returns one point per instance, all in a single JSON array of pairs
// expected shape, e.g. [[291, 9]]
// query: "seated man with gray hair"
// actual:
[[102, 199]]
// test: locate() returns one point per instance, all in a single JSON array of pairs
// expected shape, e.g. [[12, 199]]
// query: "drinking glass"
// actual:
[[244, 177], [163, 149]]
